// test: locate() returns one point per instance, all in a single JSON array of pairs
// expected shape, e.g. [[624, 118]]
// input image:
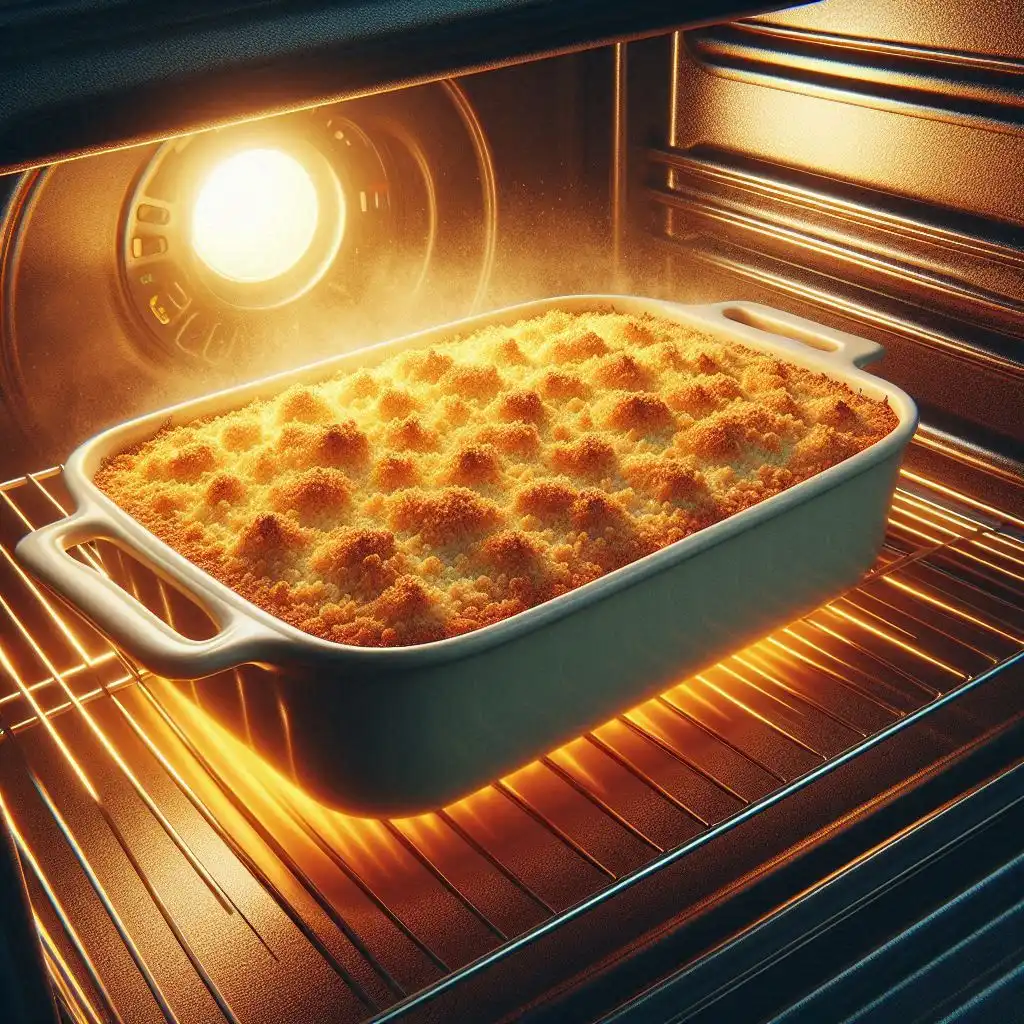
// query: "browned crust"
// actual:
[[449, 488]]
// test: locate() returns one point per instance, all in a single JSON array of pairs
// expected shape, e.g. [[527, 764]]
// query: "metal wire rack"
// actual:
[[162, 854]]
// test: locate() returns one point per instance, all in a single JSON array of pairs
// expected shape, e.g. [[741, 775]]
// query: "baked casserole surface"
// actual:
[[450, 487]]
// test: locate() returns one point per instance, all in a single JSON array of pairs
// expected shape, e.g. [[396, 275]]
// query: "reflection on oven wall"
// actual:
[[859, 163], [129, 280]]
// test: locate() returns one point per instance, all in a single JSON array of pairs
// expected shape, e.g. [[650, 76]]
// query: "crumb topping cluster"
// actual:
[[450, 487]]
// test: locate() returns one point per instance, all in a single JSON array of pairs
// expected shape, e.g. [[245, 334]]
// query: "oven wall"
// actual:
[[860, 163]]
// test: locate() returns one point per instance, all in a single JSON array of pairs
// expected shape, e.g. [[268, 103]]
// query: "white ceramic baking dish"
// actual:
[[400, 730]]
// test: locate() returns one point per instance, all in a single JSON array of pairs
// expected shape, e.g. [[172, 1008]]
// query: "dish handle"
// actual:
[[847, 348], [130, 624]]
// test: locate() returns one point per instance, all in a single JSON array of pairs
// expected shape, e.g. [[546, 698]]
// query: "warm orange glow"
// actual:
[[37, 708], [28, 857], [882, 634], [255, 216], [157, 753], [811, 661], [62, 977], [903, 498], [1010, 542], [922, 595], [17, 511], [269, 791], [640, 717], [774, 726], [753, 652], [1002, 554], [166, 602], [989, 565], [934, 541], [564, 757], [966, 499], [56, 709], [50, 611], [108, 746], [927, 522], [421, 827], [286, 727], [70, 673], [849, 599], [682, 693]]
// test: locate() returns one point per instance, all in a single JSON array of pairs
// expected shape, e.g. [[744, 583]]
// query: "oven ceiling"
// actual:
[[85, 75]]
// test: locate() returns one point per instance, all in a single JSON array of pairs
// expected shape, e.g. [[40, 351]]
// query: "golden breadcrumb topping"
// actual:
[[450, 487]]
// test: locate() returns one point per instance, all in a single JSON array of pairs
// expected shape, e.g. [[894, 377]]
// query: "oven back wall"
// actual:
[[860, 163]]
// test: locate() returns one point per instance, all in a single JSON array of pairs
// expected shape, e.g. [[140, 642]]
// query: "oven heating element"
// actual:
[[160, 853]]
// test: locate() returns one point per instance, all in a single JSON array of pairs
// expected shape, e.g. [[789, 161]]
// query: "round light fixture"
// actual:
[[255, 216]]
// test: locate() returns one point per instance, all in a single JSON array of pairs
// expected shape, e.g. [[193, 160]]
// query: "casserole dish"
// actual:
[[399, 730]]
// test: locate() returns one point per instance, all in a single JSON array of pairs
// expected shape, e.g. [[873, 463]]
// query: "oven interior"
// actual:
[[851, 163]]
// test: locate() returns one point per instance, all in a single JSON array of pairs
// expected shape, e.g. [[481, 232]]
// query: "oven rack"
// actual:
[[160, 853]]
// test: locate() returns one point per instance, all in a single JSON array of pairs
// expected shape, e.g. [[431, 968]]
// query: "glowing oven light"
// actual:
[[255, 215]]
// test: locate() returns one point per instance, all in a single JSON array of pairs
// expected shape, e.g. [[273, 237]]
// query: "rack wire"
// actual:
[[177, 876]]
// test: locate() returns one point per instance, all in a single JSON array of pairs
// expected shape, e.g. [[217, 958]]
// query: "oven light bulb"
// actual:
[[255, 216]]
